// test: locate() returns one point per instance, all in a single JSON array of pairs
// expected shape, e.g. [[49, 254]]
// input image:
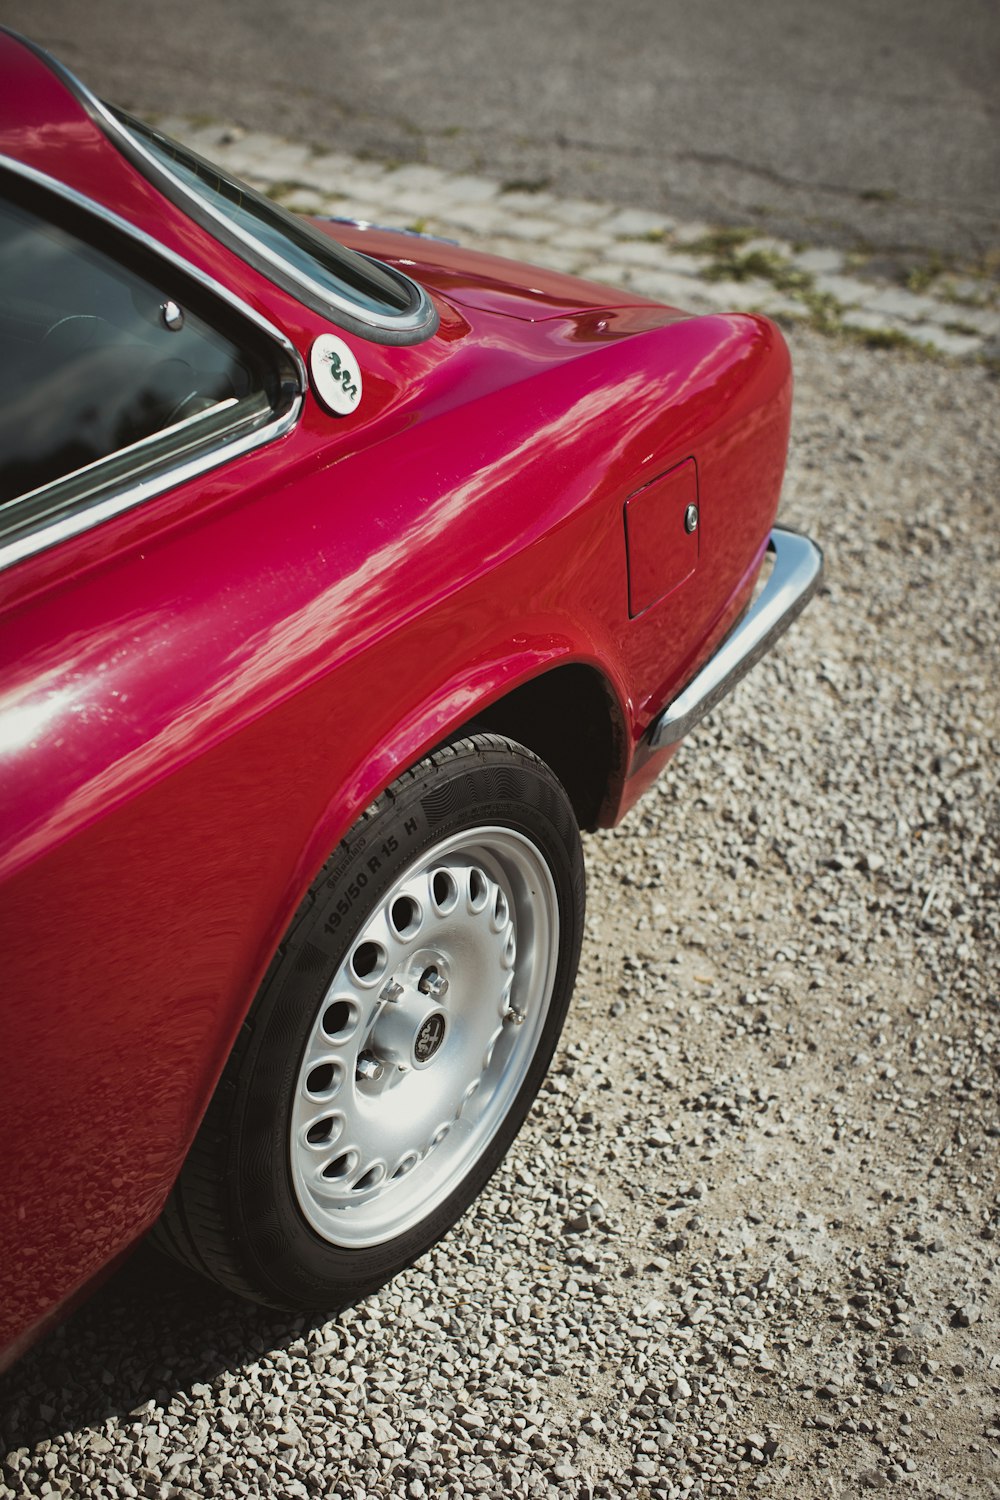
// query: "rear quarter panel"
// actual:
[[198, 699]]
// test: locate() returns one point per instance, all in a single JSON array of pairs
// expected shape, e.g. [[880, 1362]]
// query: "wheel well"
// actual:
[[567, 717]]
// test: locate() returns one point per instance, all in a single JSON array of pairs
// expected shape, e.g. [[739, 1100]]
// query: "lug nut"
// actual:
[[390, 991], [432, 983], [369, 1067]]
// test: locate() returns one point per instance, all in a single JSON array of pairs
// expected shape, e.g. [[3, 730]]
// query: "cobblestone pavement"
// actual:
[[696, 266]]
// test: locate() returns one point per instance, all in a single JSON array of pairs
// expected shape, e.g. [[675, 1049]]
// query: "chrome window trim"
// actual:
[[136, 493], [184, 425], [387, 328]]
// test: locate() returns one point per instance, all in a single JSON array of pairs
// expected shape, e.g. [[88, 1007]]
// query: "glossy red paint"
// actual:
[[199, 696]]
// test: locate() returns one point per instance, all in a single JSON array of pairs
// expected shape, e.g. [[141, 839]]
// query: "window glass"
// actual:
[[332, 267], [96, 358]]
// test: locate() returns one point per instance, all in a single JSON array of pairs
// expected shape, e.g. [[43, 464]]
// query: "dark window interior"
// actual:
[[88, 363]]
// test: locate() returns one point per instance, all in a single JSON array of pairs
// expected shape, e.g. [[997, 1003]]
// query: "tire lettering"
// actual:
[[352, 891]]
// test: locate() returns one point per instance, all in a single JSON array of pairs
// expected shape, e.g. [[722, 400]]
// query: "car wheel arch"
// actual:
[[569, 715], [571, 718]]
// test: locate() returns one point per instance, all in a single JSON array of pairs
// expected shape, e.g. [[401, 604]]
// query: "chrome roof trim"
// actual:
[[380, 328], [389, 328], [133, 494]]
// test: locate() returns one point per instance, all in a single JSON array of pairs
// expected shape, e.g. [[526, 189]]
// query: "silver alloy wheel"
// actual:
[[426, 1034]]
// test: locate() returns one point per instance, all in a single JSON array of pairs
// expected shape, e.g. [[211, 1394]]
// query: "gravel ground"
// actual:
[[747, 1243]]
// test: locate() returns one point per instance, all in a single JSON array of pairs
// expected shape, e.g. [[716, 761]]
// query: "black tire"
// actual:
[[441, 938]]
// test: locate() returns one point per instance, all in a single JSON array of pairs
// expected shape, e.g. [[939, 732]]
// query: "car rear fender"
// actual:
[[549, 693]]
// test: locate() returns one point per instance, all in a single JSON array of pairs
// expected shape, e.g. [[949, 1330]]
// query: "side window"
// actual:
[[110, 361]]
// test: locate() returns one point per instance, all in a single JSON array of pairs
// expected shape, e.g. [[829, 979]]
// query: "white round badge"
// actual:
[[335, 374]]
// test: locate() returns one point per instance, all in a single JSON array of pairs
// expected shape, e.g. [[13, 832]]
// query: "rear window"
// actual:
[[351, 289]]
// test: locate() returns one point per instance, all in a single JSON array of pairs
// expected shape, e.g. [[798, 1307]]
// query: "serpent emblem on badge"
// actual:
[[336, 375], [429, 1038]]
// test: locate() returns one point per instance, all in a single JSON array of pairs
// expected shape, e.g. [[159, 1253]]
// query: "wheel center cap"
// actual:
[[410, 1029], [429, 1038]]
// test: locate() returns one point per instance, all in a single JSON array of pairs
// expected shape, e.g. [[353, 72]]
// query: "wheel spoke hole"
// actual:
[[370, 1178], [479, 890], [404, 917], [510, 951], [440, 1133], [322, 1132], [339, 1019], [444, 892], [470, 1093], [501, 911], [341, 1166], [368, 962], [323, 1080], [409, 1161]]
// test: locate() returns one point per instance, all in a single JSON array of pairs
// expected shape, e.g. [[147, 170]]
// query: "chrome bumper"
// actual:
[[798, 568]]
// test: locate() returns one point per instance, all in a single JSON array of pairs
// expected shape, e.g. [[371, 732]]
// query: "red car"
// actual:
[[344, 576]]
